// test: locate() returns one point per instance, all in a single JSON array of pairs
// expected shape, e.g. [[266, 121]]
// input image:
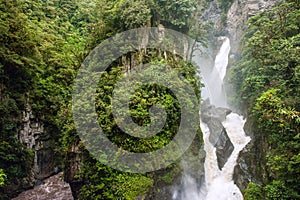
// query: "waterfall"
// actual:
[[218, 183], [221, 60], [217, 75]]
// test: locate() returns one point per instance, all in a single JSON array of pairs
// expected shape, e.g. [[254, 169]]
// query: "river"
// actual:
[[218, 184]]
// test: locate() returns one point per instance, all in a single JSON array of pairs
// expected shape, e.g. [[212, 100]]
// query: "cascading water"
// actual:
[[215, 77], [221, 60], [218, 182]]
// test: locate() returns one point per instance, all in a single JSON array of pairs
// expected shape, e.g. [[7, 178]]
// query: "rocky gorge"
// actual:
[[38, 135]]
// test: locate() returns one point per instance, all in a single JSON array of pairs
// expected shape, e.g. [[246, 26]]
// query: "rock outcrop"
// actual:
[[252, 159], [33, 135], [53, 188], [237, 16], [72, 167], [213, 117]]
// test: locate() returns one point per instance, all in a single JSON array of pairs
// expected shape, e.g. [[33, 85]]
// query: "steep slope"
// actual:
[[267, 85]]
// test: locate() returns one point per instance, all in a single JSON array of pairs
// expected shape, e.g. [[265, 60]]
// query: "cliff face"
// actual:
[[34, 136], [251, 160], [229, 18], [237, 16], [72, 167]]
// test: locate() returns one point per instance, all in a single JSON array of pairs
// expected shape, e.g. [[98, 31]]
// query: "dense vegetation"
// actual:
[[44, 42], [98, 180], [267, 82], [42, 45]]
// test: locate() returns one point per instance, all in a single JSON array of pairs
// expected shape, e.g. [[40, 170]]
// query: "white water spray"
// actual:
[[218, 183], [221, 60], [215, 81]]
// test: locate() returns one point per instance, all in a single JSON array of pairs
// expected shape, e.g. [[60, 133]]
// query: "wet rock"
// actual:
[[224, 149], [218, 137], [252, 159], [209, 112], [32, 133], [73, 166], [44, 162]]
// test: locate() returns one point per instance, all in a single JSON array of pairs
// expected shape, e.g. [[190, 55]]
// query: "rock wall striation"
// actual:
[[34, 136]]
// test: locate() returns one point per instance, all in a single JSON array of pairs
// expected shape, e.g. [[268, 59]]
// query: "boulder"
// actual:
[[213, 117]]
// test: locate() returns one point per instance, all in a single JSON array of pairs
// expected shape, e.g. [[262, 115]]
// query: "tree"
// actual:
[[267, 82]]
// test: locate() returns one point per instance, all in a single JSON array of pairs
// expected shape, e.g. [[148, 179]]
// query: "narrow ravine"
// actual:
[[218, 183]]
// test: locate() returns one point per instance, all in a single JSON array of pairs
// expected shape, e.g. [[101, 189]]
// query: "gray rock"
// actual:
[[33, 135], [224, 149], [251, 165], [218, 137], [209, 112], [237, 16]]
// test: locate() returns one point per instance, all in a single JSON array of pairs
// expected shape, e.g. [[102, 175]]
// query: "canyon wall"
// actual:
[[237, 16], [251, 160], [232, 22]]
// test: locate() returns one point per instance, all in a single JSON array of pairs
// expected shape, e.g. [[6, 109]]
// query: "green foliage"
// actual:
[[175, 13], [128, 186], [17, 47], [281, 123], [102, 182], [277, 190], [225, 5], [270, 56], [267, 83], [2, 177], [113, 16], [133, 14], [42, 44], [140, 103], [253, 192], [15, 160]]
